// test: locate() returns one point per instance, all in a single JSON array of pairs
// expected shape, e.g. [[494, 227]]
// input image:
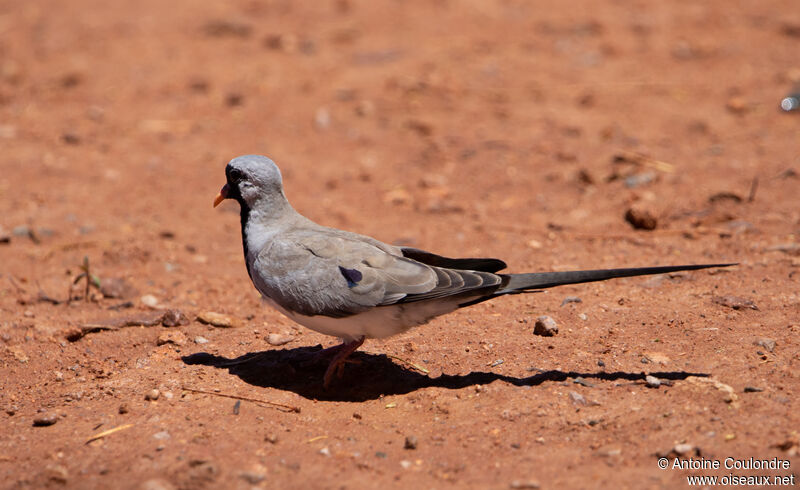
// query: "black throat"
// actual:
[[244, 216]]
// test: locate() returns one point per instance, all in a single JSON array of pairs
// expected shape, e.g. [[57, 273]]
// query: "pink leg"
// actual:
[[337, 363]]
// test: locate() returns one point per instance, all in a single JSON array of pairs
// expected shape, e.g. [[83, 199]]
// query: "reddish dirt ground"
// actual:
[[506, 128]]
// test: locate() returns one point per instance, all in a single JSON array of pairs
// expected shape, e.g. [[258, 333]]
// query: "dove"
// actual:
[[355, 287]]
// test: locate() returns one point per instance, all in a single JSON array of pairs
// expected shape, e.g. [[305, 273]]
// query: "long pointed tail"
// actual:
[[542, 280]]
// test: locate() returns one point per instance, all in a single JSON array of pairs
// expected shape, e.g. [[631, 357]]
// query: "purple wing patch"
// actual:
[[351, 275]]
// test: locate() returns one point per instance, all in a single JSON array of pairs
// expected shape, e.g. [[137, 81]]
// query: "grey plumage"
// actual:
[[353, 286]]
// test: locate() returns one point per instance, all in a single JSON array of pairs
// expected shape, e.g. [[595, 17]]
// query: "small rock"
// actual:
[[252, 477], [545, 326], [411, 442], [737, 105], [271, 438], [59, 376], [683, 449], [149, 301], [70, 138], [18, 353], [113, 287], [734, 302], [405, 464], [527, 484], [278, 339], [766, 343], [752, 389], [655, 358], [174, 318], [172, 337], [398, 196], [577, 398], [234, 99], [156, 484], [200, 340], [45, 420], [608, 451], [322, 118], [641, 219], [652, 381], [161, 436], [325, 451], [217, 319], [579, 380], [227, 28], [571, 299], [583, 316], [638, 180], [123, 409], [57, 473], [152, 395]]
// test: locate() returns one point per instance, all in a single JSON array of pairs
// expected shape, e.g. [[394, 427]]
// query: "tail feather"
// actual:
[[518, 283]]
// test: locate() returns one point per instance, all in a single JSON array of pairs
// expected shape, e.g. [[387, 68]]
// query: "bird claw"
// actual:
[[339, 360]]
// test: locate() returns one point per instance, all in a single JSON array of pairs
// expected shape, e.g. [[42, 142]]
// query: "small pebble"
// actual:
[[45, 420], [149, 301], [652, 381], [161, 436], [174, 318], [579, 380], [545, 326], [252, 477], [734, 302], [152, 395], [527, 485], [325, 451], [752, 389], [271, 438], [577, 398], [216, 319], [405, 464], [683, 449], [641, 219], [278, 339], [59, 376], [766, 343], [123, 409], [583, 316], [200, 340], [411, 442], [175, 337], [571, 299]]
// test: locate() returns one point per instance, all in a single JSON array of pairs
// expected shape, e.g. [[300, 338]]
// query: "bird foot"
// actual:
[[336, 365]]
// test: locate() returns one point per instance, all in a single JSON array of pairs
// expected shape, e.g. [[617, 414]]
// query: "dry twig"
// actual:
[[277, 406]]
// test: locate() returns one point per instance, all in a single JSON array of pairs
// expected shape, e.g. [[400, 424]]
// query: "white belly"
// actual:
[[377, 323]]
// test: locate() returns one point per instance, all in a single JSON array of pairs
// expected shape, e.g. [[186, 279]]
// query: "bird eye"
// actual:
[[235, 175]]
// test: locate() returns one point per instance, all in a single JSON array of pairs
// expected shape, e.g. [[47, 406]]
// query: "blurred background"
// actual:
[[464, 127], [555, 135]]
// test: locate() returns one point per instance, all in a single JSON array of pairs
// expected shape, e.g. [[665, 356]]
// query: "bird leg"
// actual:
[[340, 359]]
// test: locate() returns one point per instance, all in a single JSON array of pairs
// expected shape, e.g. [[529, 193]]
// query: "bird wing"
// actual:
[[323, 271]]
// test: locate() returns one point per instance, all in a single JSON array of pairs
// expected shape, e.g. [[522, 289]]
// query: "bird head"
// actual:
[[249, 179]]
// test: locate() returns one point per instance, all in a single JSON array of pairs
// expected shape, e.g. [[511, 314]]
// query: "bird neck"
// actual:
[[261, 223]]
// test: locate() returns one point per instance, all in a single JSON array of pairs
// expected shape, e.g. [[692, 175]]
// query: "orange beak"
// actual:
[[223, 194]]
